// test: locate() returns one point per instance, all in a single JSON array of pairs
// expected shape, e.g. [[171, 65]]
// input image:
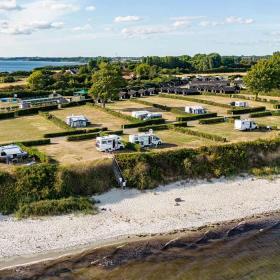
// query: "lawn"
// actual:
[[72, 152], [25, 128], [97, 117], [127, 106], [227, 100], [227, 130], [181, 104]]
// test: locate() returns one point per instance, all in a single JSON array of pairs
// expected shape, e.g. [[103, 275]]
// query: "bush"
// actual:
[[212, 120], [76, 103], [133, 147], [8, 115], [260, 114], [39, 142], [35, 110], [74, 132], [241, 111], [33, 152], [276, 106], [153, 127], [57, 121], [56, 207], [85, 136]]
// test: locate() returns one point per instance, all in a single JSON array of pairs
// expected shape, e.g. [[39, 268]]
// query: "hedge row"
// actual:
[[88, 136], [152, 169], [76, 103], [260, 114], [246, 110], [193, 117], [201, 134], [193, 99], [38, 155], [276, 106], [162, 126], [74, 132], [30, 143], [212, 120], [144, 123]]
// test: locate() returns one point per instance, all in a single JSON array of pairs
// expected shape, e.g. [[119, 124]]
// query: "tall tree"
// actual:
[[39, 80], [107, 83], [264, 76]]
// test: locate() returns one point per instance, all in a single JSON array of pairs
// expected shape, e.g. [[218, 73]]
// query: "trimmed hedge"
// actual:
[[192, 117], [154, 127], [30, 143], [246, 110], [76, 103], [8, 115], [192, 99], [276, 106], [144, 123], [260, 114], [74, 132], [88, 136], [39, 156], [57, 121], [56, 207], [212, 120], [35, 110]]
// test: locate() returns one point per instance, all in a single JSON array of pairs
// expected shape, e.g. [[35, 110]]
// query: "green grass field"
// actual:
[[25, 128]]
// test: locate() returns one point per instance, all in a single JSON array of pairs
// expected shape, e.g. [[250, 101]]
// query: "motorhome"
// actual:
[[244, 125], [109, 143], [145, 139], [77, 121], [197, 110], [243, 104], [11, 153]]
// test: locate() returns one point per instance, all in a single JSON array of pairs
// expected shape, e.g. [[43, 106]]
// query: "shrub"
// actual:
[[76, 103], [153, 127], [57, 121], [74, 132], [39, 142], [33, 152], [133, 147], [276, 106], [212, 120], [260, 114], [8, 115], [36, 110], [56, 207], [81, 137]]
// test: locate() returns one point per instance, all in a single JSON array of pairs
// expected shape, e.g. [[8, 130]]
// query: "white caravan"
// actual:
[[77, 121], [11, 152], [152, 116], [145, 139], [244, 125], [197, 110], [243, 104], [140, 114], [109, 143]]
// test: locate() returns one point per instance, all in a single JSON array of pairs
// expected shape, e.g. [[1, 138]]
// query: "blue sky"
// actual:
[[136, 28]]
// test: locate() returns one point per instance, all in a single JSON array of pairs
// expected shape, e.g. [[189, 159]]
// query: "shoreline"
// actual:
[[125, 211], [95, 254]]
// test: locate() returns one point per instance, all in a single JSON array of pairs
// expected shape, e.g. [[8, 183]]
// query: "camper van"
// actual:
[[77, 121], [109, 143], [197, 110], [244, 125], [11, 153], [140, 114], [145, 139], [243, 104]]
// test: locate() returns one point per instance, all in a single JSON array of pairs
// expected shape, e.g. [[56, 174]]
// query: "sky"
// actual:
[[138, 28]]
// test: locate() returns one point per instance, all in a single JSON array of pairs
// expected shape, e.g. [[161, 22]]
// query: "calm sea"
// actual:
[[17, 65]]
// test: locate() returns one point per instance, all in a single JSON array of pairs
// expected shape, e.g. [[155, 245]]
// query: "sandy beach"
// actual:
[[182, 205]]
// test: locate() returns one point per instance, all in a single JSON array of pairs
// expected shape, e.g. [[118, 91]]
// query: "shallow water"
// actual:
[[252, 256]]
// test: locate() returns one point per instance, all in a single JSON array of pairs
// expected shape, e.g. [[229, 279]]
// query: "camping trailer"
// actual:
[[244, 125], [243, 104], [152, 116], [145, 139], [11, 153], [197, 110], [140, 114], [109, 143], [77, 121]]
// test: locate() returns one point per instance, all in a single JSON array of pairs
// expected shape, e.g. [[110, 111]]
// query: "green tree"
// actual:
[[143, 70], [40, 80], [107, 83], [264, 76]]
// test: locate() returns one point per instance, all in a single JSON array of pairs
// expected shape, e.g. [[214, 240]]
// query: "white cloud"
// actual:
[[9, 5], [63, 6], [146, 30], [90, 8], [27, 29], [238, 20], [127, 19], [210, 23], [82, 28], [187, 18], [181, 23]]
